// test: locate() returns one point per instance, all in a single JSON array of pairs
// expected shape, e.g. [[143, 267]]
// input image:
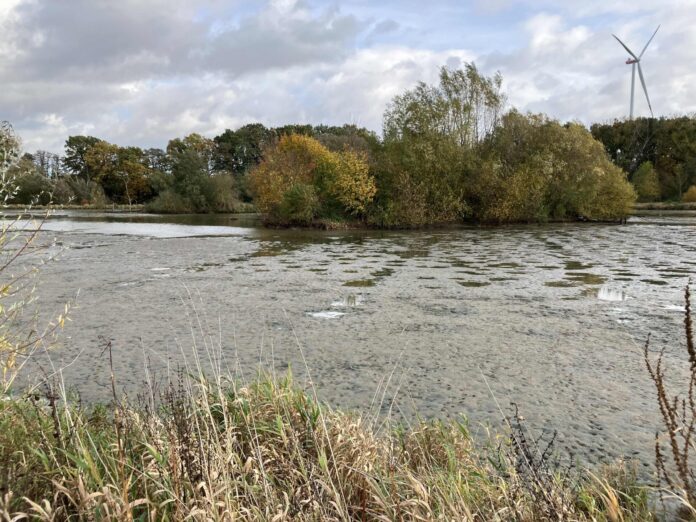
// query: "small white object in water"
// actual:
[[159, 269], [675, 308], [611, 294], [326, 315], [351, 300]]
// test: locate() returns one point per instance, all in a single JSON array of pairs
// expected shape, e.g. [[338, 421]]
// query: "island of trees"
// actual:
[[449, 153]]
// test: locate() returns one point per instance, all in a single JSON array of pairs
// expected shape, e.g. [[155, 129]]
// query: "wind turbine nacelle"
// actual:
[[631, 61]]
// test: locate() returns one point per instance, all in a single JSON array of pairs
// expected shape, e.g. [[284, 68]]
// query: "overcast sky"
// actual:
[[139, 72]]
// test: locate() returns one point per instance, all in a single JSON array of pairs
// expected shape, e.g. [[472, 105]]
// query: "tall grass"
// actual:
[[267, 450]]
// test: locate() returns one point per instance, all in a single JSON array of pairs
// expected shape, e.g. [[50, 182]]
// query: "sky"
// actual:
[[140, 72]]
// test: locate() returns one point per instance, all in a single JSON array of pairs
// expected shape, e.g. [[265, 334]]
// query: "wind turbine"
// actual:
[[634, 62]]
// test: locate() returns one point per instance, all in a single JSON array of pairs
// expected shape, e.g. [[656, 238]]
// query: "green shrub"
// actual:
[[300, 205], [32, 188], [62, 192], [87, 192], [538, 170], [647, 183], [169, 202]]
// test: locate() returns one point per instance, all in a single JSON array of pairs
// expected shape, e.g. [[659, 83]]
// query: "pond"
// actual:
[[439, 322]]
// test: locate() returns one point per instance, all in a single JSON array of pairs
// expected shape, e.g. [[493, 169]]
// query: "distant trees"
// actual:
[[239, 150], [668, 143], [449, 153], [76, 147]]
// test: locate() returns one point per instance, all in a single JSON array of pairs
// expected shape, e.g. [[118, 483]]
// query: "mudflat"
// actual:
[[435, 323]]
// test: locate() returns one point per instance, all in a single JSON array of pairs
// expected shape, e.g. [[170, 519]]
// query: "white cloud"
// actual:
[[139, 73]]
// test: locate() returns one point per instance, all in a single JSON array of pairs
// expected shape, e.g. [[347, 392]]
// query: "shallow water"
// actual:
[[441, 322]]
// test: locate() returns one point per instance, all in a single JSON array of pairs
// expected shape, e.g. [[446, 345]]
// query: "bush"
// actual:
[[690, 195], [62, 192], [169, 202], [226, 192], [647, 183], [32, 188], [421, 181], [537, 170], [87, 192], [300, 205], [341, 186]]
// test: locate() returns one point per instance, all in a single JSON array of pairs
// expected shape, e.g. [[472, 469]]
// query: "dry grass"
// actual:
[[269, 451], [676, 443]]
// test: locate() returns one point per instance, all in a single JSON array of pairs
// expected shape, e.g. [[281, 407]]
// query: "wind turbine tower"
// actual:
[[634, 62]]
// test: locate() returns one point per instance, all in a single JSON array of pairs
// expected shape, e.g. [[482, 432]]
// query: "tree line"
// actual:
[[192, 174], [659, 155], [449, 152]]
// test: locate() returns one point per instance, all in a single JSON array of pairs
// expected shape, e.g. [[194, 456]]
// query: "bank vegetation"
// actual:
[[451, 152]]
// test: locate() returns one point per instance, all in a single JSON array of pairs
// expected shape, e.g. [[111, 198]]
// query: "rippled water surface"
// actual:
[[440, 322]]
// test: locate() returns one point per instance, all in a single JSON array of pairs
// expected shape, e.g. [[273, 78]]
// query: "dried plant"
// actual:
[[675, 470]]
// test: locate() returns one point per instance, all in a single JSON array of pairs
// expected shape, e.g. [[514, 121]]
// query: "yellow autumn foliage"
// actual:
[[690, 195], [341, 182]]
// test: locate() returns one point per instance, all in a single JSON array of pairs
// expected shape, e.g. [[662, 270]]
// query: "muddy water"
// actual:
[[444, 322]]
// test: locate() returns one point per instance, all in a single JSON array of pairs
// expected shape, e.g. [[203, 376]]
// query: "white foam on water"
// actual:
[[675, 308], [611, 294], [159, 269], [326, 314]]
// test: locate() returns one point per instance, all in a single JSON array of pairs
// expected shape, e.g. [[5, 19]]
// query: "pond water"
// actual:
[[439, 322]]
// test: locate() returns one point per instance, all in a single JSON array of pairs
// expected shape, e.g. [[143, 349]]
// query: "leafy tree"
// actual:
[[194, 144], [157, 160], [465, 107], [121, 171], [647, 183], [32, 187], [191, 180], [431, 136], [238, 151], [76, 148], [668, 143]]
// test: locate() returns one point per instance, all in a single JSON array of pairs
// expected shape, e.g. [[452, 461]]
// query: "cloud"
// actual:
[[141, 72]]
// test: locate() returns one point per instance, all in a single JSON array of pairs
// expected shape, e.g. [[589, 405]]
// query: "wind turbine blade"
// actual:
[[645, 89], [646, 45], [624, 46]]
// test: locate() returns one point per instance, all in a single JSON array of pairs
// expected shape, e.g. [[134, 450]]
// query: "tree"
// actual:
[[157, 160], [121, 171], [238, 151], [465, 107], [668, 143], [196, 144], [76, 148], [647, 183]]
